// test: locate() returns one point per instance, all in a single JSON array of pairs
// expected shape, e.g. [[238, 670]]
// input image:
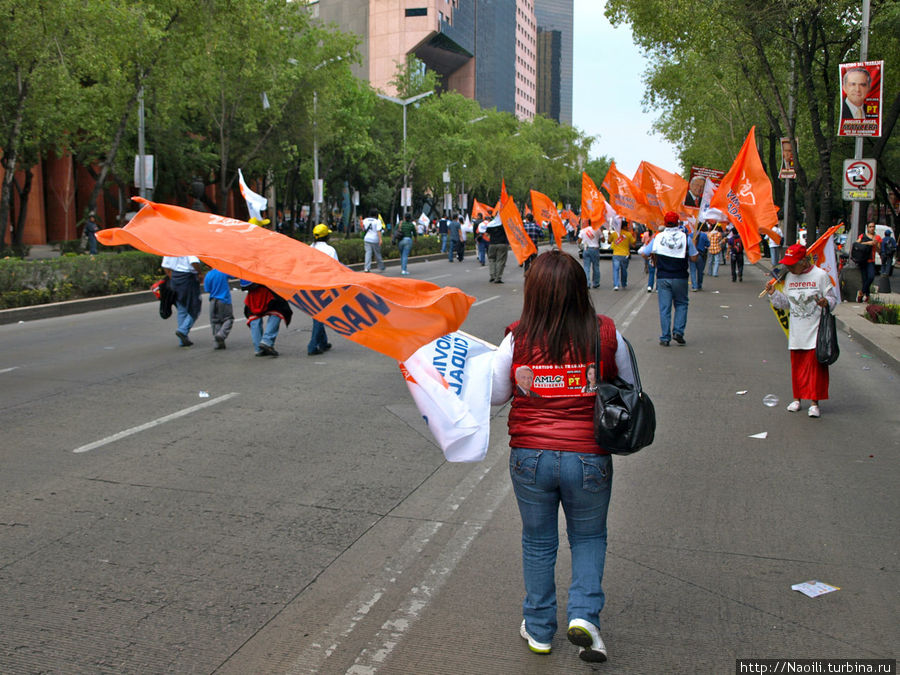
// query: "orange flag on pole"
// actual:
[[745, 196], [479, 209], [391, 316], [823, 254], [592, 202], [504, 195], [663, 189], [546, 210], [519, 241], [626, 198]]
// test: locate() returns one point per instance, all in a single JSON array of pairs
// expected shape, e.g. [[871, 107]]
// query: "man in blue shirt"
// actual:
[[221, 314], [701, 242], [672, 250]]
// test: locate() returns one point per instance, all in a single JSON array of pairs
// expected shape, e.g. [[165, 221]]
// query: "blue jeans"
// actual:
[[444, 242], [697, 270], [867, 272], [591, 261], [620, 270], [714, 261], [672, 292], [184, 318], [582, 483], [775, 252], [651, 275], [482, 250], [267, 337], [318, 340], [405, 248]]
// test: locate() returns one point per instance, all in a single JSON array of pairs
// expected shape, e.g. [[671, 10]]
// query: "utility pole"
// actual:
[[858, 151]]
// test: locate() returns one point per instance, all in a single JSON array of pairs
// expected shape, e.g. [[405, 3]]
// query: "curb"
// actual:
[[860, 338], [83, 305]]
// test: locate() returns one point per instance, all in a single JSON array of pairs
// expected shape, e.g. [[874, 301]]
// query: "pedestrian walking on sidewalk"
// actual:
[[806, 288], [554, 459]]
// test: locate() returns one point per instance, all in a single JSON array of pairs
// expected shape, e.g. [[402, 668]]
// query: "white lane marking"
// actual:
[[640, 300], [6, 370], [422, 593], [200, 327], [439, 276], [329, 638], [154, 423], [481, 302]]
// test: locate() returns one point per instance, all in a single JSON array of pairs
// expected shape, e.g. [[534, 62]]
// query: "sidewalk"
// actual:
[[880, 339]]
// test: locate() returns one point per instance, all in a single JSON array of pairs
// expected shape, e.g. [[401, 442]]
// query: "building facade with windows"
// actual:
[[555, 58], [484, 49]]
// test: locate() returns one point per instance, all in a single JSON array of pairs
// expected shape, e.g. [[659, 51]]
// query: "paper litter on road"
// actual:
[[204, 394], [741, 392], [762, 434], [724, 306], [814, 588]]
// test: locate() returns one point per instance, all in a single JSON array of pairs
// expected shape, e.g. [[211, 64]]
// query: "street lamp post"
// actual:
[[405, 196]]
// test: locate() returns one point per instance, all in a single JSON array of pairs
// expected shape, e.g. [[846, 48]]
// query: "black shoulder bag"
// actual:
[[827, 350], [624, 416]]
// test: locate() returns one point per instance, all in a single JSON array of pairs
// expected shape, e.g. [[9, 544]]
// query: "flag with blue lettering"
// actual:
[[450, 382], [393, 316]]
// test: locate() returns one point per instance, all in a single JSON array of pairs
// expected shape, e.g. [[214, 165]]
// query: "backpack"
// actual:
[[888, 247]]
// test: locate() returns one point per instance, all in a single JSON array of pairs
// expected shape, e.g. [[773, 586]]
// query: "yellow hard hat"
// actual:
[[321, 231]]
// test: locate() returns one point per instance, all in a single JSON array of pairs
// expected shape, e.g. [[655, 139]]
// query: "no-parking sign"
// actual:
[[859, 180]]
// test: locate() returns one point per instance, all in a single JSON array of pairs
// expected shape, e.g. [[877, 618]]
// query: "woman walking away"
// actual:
[[806, 288], [554, 458]]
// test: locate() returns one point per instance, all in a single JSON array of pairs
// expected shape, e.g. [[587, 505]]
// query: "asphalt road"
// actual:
[[303, 521]]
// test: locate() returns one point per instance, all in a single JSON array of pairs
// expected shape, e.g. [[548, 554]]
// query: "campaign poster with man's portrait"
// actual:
[[699, 174], [861, 95]]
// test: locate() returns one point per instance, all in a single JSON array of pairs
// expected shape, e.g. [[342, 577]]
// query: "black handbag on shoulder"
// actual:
[[624, 416], [827, 350], [860, 253]]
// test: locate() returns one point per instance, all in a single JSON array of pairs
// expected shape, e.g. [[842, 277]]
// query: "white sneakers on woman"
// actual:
[[534, 645], [587, 637], [794, 406]]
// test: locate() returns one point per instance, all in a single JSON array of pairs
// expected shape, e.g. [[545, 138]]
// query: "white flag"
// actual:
[[450, 381], [467, 225], [256, 203], [613, 219], [707, 213], [423, 219], [828, 262]]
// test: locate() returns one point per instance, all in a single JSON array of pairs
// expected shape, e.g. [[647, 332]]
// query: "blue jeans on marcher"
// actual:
[[267, 337], [590, 259], [444, 242], [184, 318], [318, 340], [714, 262], [697, 271], [651, 275], [482, 250], [582, 483], [672, 292], [620, 271], [405, 248]]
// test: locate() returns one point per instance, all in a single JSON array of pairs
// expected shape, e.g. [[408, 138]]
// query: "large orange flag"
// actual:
[[391, 316], [593, 205], [626, 198], [745, 196], [546, 210], [519, 241], [479, 209], [504, 195], [664, 190]]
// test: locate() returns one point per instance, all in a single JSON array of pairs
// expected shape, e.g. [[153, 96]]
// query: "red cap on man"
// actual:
[[670, 218], [794, 254]]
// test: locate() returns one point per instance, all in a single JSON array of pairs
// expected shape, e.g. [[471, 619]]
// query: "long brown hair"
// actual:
[[558, 317]]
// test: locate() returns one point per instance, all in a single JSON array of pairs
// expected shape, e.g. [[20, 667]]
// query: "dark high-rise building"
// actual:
[[484, 49], [554, 58]]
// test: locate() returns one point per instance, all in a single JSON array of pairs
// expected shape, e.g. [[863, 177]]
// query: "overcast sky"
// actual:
[[607, 93]]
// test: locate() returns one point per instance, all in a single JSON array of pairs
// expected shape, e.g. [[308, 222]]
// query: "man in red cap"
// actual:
[[671, 250], [806, 288]]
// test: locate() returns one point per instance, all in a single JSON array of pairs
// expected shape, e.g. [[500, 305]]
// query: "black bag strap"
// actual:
[[631, 357]]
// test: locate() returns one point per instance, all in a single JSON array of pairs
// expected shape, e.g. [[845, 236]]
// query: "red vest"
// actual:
[[559, 422]]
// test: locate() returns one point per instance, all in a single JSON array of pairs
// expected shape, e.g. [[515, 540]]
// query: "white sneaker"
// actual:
[[649, 289], [794, 406], [534, 645], [813, 411], [587, 636], [615, 288]]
